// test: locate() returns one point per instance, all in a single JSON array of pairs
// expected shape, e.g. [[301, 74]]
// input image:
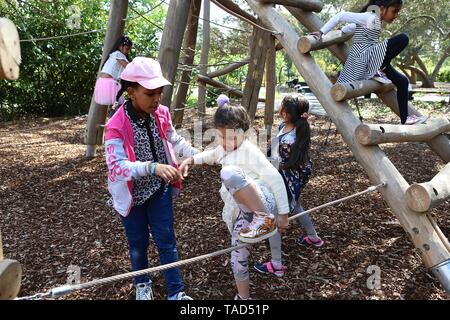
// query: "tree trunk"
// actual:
[[190, 42], [440, 63], [171, 41], [426, 80]]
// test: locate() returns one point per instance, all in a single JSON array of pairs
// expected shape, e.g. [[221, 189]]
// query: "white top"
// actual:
[[252, 161], [112, 65], [366, 19]]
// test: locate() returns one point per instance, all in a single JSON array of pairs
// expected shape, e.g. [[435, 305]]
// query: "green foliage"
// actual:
[[444, 75]]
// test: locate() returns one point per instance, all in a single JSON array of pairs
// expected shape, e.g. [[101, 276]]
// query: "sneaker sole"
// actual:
[[258, 239]]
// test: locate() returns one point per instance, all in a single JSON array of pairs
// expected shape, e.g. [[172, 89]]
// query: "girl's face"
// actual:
[[125, 49], [145, 101], [284, 115], [230, 139], [389, 14]]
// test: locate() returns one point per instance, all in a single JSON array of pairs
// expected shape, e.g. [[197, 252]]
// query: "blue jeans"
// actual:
[[156, 213]]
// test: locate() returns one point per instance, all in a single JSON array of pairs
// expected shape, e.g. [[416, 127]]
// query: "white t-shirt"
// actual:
[[112, 66]]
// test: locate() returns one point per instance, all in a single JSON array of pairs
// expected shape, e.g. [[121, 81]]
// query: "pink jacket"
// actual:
[[123, 168]]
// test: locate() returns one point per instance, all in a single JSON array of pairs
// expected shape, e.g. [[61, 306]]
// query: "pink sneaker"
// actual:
[[268, 268], [413, 119], [380, 76]]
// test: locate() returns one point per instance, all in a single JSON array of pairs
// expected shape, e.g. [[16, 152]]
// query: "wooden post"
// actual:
[[309, 43], [345, 91], [217, 84], [271, 82], [227, 69], [440, 144], [421, 197], [307, 5], [373, 134], [372, 159], [9, 50], [190, 42], [171, 41], [204, 57], [97, 113], [230, 5], [258, 52]]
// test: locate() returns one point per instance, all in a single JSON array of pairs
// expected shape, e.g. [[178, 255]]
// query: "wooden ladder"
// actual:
[[410, 204]]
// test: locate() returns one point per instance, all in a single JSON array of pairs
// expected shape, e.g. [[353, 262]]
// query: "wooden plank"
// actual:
[[10, 277], [97, 113], [309, 43], [373, 134], [421, 197], [171, 41], [10, 58], [307, 5], [378, 167], [345, 91], [190, 42], [258, 52]]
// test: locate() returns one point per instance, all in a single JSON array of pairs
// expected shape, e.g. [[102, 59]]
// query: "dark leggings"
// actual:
[[396, 45]]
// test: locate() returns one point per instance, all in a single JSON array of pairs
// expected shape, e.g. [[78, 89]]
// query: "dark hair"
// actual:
[[295, 108], [232, 117], [121, 41], [124, 86], [381, 3]]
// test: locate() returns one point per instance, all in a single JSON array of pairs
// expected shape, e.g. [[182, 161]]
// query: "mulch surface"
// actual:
[[53, 215]]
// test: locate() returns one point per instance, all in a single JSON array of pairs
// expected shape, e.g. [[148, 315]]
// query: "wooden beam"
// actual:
[[345, 91], [229, 4], [9, 50], [421, 197], [378, 167], [227, 69], [373, 134], [309, 43], [171, 41], [271, 81], [10, 277], [190, 42], [307, 5], [258, 52], [219, 85], [97, 113], [440, 144]]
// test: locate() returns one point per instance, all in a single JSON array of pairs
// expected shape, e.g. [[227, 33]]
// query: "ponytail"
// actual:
[[380, 3], [297, 109]]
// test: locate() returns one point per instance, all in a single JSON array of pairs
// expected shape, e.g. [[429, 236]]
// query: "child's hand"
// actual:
[[282, 223], [167, 172], [184, 167], [317, 35]]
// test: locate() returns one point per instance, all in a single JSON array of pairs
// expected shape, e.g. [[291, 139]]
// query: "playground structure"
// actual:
[[271, 32]]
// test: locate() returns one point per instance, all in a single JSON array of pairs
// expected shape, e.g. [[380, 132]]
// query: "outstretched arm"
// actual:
[[361, 18]]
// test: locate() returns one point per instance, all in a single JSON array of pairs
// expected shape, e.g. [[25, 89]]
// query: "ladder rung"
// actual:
[[309, 43], [344, 91]]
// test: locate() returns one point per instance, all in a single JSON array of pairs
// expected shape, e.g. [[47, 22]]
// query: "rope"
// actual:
[[66, 289], [63, 36]]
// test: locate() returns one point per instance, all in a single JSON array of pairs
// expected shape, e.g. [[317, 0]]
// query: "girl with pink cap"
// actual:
[[140, 147]]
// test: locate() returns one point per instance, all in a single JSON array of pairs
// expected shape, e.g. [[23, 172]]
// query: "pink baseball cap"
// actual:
[[145, 71]]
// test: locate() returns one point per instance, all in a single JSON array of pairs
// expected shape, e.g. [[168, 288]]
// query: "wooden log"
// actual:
[[373, 134], [227, 69], [421, 197], [10, 277], [190, 42], [204, 55], [9, 50], [271, 81], [258, 52], [229, 4], [219, 85], [307, 5], [309, 43], [171, 41], [378, 167], [345, 91], [440, 144]]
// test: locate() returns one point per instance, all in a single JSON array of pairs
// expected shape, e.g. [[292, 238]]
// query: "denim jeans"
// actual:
[[157, 214]]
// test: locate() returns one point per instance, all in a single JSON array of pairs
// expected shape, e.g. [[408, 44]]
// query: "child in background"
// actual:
[[368, 57], [107, 85], [140, 146], [252, 189]]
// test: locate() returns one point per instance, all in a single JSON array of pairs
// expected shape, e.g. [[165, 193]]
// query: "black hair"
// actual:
[[124, 86], [295, 108], [381, 3], [232, 117], [121, 41]]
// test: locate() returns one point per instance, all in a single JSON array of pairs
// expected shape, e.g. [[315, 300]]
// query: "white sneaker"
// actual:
[[262, 227], [413, 119], [381, 77], [144, 291], [180, 296]]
